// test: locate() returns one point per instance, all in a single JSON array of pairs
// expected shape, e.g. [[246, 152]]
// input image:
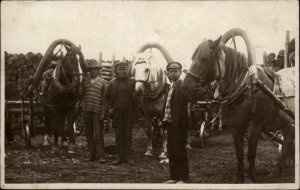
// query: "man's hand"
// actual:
[[111, 112], [102, 118]]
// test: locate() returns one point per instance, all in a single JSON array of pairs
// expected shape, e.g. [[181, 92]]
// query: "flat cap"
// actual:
[[119, 64], [174, 65], [280, 54]]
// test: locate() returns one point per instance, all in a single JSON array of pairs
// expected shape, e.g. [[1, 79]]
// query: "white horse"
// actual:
[[151, 83]]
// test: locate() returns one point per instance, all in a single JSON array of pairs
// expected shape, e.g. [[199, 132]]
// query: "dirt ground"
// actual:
[[215, 163]]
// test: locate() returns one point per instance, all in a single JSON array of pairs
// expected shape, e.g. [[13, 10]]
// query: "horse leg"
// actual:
[[149, 129], [163, 154], [47, 123], [220, 121], [188, 141], [70, 129], [62, 127], [253, 137], [238, 138], [55, 133], [288, 146], [56, 124]]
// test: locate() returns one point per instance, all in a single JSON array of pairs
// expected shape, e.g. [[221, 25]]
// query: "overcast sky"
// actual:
[[122, 27]]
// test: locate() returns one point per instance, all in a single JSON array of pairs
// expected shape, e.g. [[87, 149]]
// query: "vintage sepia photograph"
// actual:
[[149, 94]]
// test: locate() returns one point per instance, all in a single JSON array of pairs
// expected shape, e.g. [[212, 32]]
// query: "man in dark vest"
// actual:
[[176, 121], [121, 103]]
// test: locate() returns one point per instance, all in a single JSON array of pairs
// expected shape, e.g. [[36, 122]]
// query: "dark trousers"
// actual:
[[123, 120], [94, 133], [178, 161]]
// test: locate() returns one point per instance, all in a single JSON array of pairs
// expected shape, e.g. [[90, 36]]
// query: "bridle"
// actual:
[[70, 87], [147, 82], [200, 78]]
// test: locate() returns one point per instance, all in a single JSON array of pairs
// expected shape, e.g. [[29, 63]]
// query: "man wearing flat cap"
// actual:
[[176, 121], [271, 60], [93, 108], [121, 103]]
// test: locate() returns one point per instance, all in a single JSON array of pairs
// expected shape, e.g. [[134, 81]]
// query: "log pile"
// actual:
[[19, 68]]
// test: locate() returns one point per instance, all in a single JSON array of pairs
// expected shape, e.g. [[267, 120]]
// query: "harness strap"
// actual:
[[194, 75], [214, 119]]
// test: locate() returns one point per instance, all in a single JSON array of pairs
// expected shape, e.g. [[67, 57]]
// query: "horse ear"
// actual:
[[67, 48], [215, 43], [79, 47]]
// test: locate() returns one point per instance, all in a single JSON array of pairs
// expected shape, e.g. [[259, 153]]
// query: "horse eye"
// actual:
[[147, 70]]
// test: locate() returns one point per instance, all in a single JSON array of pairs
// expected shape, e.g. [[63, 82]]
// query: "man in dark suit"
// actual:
[[176, 121], [121, 103]]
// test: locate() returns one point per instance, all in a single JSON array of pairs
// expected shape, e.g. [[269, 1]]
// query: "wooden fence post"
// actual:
[[286, 52]]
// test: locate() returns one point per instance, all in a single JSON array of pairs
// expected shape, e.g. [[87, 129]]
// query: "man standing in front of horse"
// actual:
[[176, 121], [121, 103], [93, 108]]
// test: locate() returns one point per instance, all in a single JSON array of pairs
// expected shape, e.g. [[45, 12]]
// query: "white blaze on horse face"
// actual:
[[80, 72], [222, 63], [142, 72]]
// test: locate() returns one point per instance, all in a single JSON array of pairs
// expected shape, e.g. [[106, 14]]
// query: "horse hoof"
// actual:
[[248, 180], [46, 143], [71, 152], [148, 154], [65, 144], [164, 161], [72, 148], [238, 180], [188, 146], [274, 174], [162, 155]]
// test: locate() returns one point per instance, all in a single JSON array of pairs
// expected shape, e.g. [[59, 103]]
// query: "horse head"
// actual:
[[146, 71], [206, 66], [69, 68]]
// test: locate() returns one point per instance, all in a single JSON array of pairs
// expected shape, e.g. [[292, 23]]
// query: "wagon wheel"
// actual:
[[231, 34], [26, 124]]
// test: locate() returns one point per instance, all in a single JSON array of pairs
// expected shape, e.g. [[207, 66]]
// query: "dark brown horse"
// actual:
[[63, 92], [247, 111]]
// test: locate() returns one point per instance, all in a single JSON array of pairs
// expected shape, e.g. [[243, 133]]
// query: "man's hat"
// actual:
[[93, 64], [280, 54], [174, 65], [119, 64], [271, 57]]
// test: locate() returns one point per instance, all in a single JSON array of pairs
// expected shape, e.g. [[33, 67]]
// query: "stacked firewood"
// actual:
[[19, 68], [107, 70]]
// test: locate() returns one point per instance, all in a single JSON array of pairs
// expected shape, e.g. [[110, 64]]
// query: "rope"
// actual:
[[271, 138]]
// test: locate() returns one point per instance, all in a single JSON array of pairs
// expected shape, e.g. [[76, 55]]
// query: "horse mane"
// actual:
[[235, 64], [203, 50]]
